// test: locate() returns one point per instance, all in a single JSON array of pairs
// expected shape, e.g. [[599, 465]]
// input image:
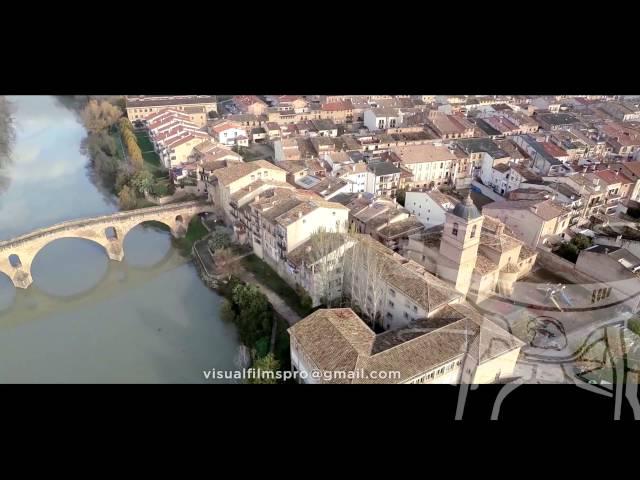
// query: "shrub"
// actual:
[[219, 240], [262, 346], [634, 325]]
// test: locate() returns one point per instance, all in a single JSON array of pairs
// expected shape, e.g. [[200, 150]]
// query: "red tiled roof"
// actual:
[[609, 177], [247, 100], [337, 106], [553, 149]]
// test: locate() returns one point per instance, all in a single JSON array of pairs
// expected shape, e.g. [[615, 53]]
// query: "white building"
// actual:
[[230, 133], [382, 118], [431, 164], [429, 207]]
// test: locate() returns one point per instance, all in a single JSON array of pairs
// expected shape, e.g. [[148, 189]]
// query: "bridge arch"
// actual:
[[148, 221], [72, 258], [109, 231]]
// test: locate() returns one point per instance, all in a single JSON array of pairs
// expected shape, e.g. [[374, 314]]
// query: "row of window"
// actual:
[[437, 373]]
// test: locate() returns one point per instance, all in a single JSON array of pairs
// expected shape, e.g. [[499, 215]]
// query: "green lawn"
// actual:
[[269, 277], [115, 134], [149, 155], [195, 232]]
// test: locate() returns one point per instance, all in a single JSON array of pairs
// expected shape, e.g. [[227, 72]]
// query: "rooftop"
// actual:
[[136, 101], [423, 153], [556, 119], [338, 340], [238, 170], [476, 145], [383, 168]]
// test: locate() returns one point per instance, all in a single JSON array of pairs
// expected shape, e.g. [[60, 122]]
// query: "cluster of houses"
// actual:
[[357, 178]]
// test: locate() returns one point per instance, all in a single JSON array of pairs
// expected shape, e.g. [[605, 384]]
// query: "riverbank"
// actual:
[[281, 317], [148, 319]]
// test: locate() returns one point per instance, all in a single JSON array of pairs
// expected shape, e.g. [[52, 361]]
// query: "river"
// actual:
[[86, 319]]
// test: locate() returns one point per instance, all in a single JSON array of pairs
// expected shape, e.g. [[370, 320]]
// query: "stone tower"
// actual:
[[459, 244]]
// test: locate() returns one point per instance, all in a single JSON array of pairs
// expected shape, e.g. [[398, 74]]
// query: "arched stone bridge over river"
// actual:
[[17, 254]]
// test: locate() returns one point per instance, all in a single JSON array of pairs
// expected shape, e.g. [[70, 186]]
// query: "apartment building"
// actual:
[[532, 221], [250, 104], [484, 154], [382, 179], [429, 206], [141, 106], [431, 165], [281, 224], [632, 171], [376, 119], [224, 182], [622, 111], [229, 133], [174, 136], [450, 126], [623, 142], [542, 162]]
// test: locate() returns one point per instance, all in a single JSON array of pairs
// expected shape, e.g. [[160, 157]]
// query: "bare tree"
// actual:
[[99, 115], [365, 267], [326, 257], [7, 130], [226, 262]]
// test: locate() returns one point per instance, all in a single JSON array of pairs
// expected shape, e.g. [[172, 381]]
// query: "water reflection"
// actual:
[[46, 179], [7, 293], [88, 319], [147, 244], [69, 266]]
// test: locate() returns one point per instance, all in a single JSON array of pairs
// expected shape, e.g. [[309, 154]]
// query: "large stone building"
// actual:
[[473, 252], [456, 346], [141, 106]]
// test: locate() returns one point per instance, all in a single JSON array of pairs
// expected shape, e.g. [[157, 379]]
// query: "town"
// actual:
[[413, 225]]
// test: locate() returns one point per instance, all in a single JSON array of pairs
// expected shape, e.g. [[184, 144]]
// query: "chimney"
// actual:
[[299, 214], [500, 229]]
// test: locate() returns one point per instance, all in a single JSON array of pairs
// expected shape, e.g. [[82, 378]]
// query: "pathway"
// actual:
[[279, 305]]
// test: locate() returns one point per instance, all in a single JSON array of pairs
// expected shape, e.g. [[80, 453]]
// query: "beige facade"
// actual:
[[473, 252], [532, 222], [228, 180], [139, 107]]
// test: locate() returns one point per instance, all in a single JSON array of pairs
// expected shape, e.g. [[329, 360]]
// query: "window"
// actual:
[[406, 315], [415, 309], [473, 231], [392, 292], [454, 230]]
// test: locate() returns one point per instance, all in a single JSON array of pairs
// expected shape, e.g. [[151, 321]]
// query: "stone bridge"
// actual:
[[17, 254]]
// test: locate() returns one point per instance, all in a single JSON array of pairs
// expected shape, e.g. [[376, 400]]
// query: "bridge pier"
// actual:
[[115, 250], [22, 278]]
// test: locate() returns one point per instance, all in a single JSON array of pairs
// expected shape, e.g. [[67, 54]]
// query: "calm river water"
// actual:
[[86, 319]]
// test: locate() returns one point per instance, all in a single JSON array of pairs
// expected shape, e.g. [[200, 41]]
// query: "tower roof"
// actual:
[[466, 209]]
